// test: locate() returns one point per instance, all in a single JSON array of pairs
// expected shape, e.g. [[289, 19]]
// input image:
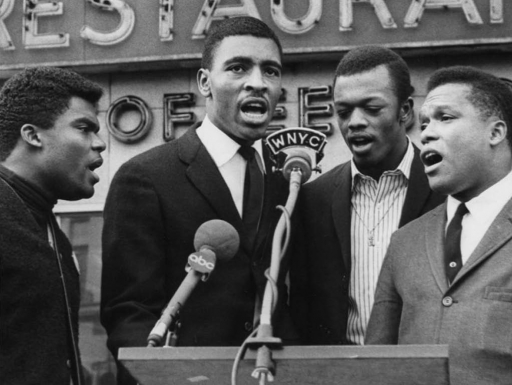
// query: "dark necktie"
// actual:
[[453, 258], [253, 192]]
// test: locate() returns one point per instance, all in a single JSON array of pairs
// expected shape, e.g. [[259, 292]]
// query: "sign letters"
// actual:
[[96, 32]]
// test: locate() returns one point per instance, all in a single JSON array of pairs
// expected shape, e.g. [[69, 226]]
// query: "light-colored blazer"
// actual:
[[415, 305]]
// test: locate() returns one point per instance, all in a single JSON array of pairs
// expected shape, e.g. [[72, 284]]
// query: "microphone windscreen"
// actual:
[[220, 237], [297, 158]]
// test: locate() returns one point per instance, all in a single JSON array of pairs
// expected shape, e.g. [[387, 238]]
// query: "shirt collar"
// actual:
[[403, 168], [219, 145], [489, 203]]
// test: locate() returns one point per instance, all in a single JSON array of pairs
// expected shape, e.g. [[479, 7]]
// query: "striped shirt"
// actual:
[[375, 215]]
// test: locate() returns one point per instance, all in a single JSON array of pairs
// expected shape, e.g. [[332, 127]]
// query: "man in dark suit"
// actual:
[[159, 199], [348, 215], [49, 149], [452, 284]]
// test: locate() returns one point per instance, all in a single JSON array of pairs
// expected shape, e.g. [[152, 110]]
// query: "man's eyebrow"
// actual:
[[441, 107], [90, 123], [445, 106], [362, 101], [436, 109], [247, 60], [273, 63]]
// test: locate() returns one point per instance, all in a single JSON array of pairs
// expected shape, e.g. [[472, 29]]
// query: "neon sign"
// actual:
[[95, 32]]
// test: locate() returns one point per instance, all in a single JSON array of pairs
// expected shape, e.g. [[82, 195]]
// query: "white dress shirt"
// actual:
[[375, 215], [224, 152], [483, 210]]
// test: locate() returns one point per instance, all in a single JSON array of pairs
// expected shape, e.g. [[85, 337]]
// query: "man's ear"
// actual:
[[203, 82], [498, 132], [31, 135], [407, 110]]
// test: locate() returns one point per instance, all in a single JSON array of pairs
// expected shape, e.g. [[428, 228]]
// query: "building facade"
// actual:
[[146, 56]]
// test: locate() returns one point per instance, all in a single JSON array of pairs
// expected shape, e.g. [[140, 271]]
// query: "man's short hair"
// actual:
[[236, 26], [366, 58], [491, 95], [39, 96]]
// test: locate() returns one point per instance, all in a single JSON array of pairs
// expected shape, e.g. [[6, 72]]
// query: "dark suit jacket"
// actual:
[[156, 203], [415, 305], [320, 267], [35, 339]]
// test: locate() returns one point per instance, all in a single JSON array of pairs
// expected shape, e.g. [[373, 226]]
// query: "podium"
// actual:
[[297, 365]]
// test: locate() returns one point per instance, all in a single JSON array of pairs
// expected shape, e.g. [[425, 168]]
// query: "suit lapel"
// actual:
[[205, 176], [418, 191], [341, 204], [434, 244], [499, 233]]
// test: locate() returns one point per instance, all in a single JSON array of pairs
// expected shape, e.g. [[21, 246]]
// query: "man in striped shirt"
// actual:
[[348, 215]]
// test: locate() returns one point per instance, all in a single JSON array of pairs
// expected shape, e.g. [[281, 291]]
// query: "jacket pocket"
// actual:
[[496, 334], [494, 293]]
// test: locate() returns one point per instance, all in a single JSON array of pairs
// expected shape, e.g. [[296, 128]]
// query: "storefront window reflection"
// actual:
[[84, 233]]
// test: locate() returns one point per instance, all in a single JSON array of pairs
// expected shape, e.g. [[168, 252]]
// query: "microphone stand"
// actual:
[[171, 338], [264, 340], [171, 332], [296, 152]]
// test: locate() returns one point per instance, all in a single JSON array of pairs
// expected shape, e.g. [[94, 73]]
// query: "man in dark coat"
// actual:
[[48, 150], [159, 199], [348, 215]]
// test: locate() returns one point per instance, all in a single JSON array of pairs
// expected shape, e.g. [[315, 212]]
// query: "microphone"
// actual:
[[296, 148], [214, 240], [297, 158]]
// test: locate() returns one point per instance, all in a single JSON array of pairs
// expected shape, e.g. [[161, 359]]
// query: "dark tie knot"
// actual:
[[247, 152], [461, 211]]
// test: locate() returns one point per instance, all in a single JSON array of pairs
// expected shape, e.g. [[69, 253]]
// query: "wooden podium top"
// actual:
[[297, 365]]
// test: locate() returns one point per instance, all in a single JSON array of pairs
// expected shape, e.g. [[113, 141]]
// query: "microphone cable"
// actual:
[[275, 293]]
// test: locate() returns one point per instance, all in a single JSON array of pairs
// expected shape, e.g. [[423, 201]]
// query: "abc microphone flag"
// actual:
[[215, 240]]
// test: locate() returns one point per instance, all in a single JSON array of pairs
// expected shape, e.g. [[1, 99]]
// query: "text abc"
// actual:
[[199, 260]]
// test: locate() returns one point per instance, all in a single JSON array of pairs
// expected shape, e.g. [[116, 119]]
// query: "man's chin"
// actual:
[[84, 193], [365, 159], [439, 186], [253, 132]]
